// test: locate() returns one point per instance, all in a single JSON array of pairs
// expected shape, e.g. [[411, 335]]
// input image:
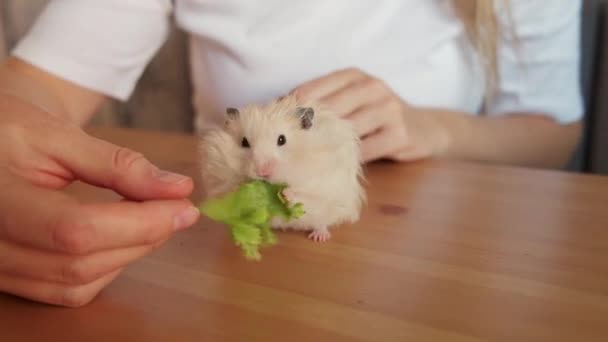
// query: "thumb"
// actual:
[[125, 171]]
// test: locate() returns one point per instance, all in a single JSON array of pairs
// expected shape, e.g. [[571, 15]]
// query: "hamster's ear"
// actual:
[[232, 113], [306, 114]]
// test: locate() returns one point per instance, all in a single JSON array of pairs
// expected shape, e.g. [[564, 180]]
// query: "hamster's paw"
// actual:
[[289, 195], [320, 235]]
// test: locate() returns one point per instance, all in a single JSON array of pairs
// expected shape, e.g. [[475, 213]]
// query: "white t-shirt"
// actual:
[[245, 51]]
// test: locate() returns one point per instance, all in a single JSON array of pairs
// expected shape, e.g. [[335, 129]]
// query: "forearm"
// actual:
[[525, 140], [47, 92]]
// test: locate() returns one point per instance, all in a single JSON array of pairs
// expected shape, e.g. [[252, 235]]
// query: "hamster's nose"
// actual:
[[264, 170]]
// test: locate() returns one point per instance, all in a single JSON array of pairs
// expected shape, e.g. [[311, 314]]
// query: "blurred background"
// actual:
[[162, 99]]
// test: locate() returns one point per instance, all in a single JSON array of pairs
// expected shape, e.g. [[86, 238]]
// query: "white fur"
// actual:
[[322, 164]]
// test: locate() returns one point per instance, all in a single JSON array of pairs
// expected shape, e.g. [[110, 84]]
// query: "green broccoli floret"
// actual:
[[248, 212]]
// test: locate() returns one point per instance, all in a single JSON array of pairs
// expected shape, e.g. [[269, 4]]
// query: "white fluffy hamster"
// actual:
[[303, 145]]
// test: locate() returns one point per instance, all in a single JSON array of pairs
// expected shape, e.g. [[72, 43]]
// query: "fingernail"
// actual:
[[185, 218], [170, 177]]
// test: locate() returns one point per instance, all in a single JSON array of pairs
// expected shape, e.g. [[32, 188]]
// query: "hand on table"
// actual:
[[56, 250], [389, 127]]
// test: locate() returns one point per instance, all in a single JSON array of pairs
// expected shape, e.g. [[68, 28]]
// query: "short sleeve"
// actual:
[[100, 45], [542, 73]]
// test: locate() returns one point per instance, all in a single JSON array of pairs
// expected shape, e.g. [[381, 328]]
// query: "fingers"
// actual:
[[51, 220], [375, 116], [385, 143], [55, 293], [352, 94], [40, 265], [321, 87], [101, 163], [377, 113], [382, 145], [356, 95], [96, 227], [377, 145]]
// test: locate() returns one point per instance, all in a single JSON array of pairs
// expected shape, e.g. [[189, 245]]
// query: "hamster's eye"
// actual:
[[245, 143], [281, 141]]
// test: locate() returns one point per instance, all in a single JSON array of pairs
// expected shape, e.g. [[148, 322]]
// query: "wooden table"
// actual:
[[443, 252]]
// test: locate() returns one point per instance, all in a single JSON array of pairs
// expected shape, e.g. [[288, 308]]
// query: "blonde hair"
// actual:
[[483, 28]]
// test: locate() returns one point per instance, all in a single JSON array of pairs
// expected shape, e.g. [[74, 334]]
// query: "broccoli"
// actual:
[[248, 212]]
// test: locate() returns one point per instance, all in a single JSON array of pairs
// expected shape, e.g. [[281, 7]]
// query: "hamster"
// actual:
[[303, 145]]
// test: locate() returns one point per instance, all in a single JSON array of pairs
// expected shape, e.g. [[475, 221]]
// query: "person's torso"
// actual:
[[245, 51]]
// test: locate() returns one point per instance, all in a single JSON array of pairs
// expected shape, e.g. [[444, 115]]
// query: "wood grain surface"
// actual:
[[444, 251]]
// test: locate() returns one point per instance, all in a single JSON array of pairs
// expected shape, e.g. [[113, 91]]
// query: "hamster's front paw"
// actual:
[[320, 235], [289, 195]]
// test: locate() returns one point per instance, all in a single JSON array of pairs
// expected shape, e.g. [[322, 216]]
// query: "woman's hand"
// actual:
[[389, 127], [56, 250], [392, 129]]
